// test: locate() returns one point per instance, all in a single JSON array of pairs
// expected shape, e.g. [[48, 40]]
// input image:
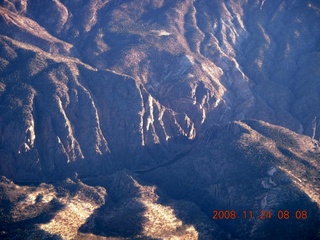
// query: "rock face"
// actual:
[[263, 167], [164, 89], [47, 211], [107, 80], [60, 114]]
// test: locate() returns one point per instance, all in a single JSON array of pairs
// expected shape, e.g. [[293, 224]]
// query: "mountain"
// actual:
[[165, 111], [246, 166]]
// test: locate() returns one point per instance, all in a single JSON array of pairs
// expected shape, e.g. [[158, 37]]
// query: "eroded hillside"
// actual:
[[151, 99], [153, 71]]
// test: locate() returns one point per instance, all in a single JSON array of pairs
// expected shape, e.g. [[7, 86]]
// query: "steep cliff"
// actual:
[[147, 73], [151, 99], [58, 115]]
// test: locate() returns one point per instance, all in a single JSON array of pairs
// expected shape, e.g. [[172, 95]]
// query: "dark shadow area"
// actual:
[[116, 220], [20, 218], [292, 156], [235, 183], [297, 218], [26, 229], [30, 233], [168, 163], [122, 214], [195, 208], [190, 213]]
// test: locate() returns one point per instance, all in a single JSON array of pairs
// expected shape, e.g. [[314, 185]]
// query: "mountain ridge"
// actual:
[[170, 110]]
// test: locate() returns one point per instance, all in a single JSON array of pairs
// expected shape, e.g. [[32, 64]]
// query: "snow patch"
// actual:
[[150, 119], [203, 115], [160, 33], [216, 104]]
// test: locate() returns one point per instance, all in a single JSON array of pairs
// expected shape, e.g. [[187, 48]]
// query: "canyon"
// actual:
[[138, 119]]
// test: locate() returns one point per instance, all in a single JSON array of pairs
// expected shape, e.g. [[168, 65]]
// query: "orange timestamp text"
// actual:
[[264, 214]]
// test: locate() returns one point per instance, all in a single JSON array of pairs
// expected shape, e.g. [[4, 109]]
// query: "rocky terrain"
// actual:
[[160, 112], [262, 167]]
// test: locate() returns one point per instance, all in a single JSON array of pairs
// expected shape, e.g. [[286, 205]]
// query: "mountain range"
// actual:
[[147, 119]]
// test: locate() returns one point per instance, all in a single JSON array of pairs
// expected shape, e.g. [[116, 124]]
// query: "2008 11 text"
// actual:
[[264, 214]]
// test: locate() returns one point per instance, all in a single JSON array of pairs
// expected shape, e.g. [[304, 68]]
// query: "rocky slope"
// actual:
[[249, 165], [262, 168], [187, 65], [58, 112], [165, 89], [74, 210], [47, 211]]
